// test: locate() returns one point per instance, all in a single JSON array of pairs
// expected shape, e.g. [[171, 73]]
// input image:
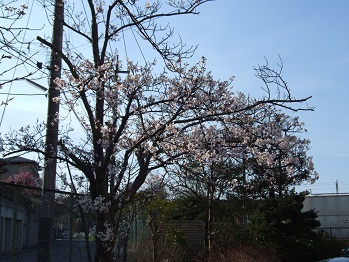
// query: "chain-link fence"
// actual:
[[36, 224], [40, 226]]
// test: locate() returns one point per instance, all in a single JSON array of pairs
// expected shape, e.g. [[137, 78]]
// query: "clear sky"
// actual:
[[312, 38]]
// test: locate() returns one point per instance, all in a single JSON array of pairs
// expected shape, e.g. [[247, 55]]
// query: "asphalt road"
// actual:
[[60, 252]]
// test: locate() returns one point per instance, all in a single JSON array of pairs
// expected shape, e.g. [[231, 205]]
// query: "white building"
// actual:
[[332, 211]]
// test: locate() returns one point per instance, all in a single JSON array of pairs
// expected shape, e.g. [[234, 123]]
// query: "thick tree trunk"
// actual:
[[103, 254], [104, 247], [105, 231]]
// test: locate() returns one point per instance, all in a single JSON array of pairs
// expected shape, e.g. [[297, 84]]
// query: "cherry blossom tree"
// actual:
[[207, 179], [136, 124], [275, 155], [24, 178], [28, 195], [258, 154]]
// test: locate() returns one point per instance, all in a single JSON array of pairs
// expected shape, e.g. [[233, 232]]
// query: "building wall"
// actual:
[[26, 227], [332, 211], [6, 215]]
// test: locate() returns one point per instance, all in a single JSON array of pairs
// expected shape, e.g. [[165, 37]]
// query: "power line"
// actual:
[[88, 21], [22, 94], [15, 69], [140, 49], [19, 55], [123, 38]]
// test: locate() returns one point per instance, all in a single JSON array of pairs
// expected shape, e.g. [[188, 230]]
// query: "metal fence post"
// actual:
[[14, 224], [71, 217]]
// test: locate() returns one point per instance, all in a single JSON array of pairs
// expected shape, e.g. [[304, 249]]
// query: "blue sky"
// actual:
[[312, 38]]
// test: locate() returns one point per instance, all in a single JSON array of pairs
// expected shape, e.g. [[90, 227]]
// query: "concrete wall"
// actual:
[[333, 213]]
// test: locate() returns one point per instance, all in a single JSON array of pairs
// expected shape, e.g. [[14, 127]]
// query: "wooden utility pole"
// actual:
[[45, 232]]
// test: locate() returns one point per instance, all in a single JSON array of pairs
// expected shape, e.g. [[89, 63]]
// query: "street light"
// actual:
[[36, 85]]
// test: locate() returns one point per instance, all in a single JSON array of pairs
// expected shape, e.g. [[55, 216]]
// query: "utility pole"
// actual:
[[337, 190], [46, 223]]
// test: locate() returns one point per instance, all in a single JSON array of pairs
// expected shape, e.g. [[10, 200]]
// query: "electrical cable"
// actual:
[[15, 69], [21, 54], [21, 94], [123, 37], [25, 58], [88, 21], [139, 46]]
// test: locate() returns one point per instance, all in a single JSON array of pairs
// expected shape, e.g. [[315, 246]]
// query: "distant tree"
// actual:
[[154, 202], [24, 178], [201, 190], [29, 194], [142, 122], [259, 155], [279, 223]]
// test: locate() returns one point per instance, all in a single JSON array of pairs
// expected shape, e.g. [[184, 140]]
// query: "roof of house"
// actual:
[[13, 165], [18, 159], [21, 160]]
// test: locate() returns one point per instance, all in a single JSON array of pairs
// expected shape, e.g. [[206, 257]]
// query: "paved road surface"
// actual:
[[60, 252]]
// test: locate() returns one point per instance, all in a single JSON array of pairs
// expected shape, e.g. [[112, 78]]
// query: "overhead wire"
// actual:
[[23, 58], [123, 37], [22, 94], [83, 6], [140, 49], [15, 69], [22, 55]]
